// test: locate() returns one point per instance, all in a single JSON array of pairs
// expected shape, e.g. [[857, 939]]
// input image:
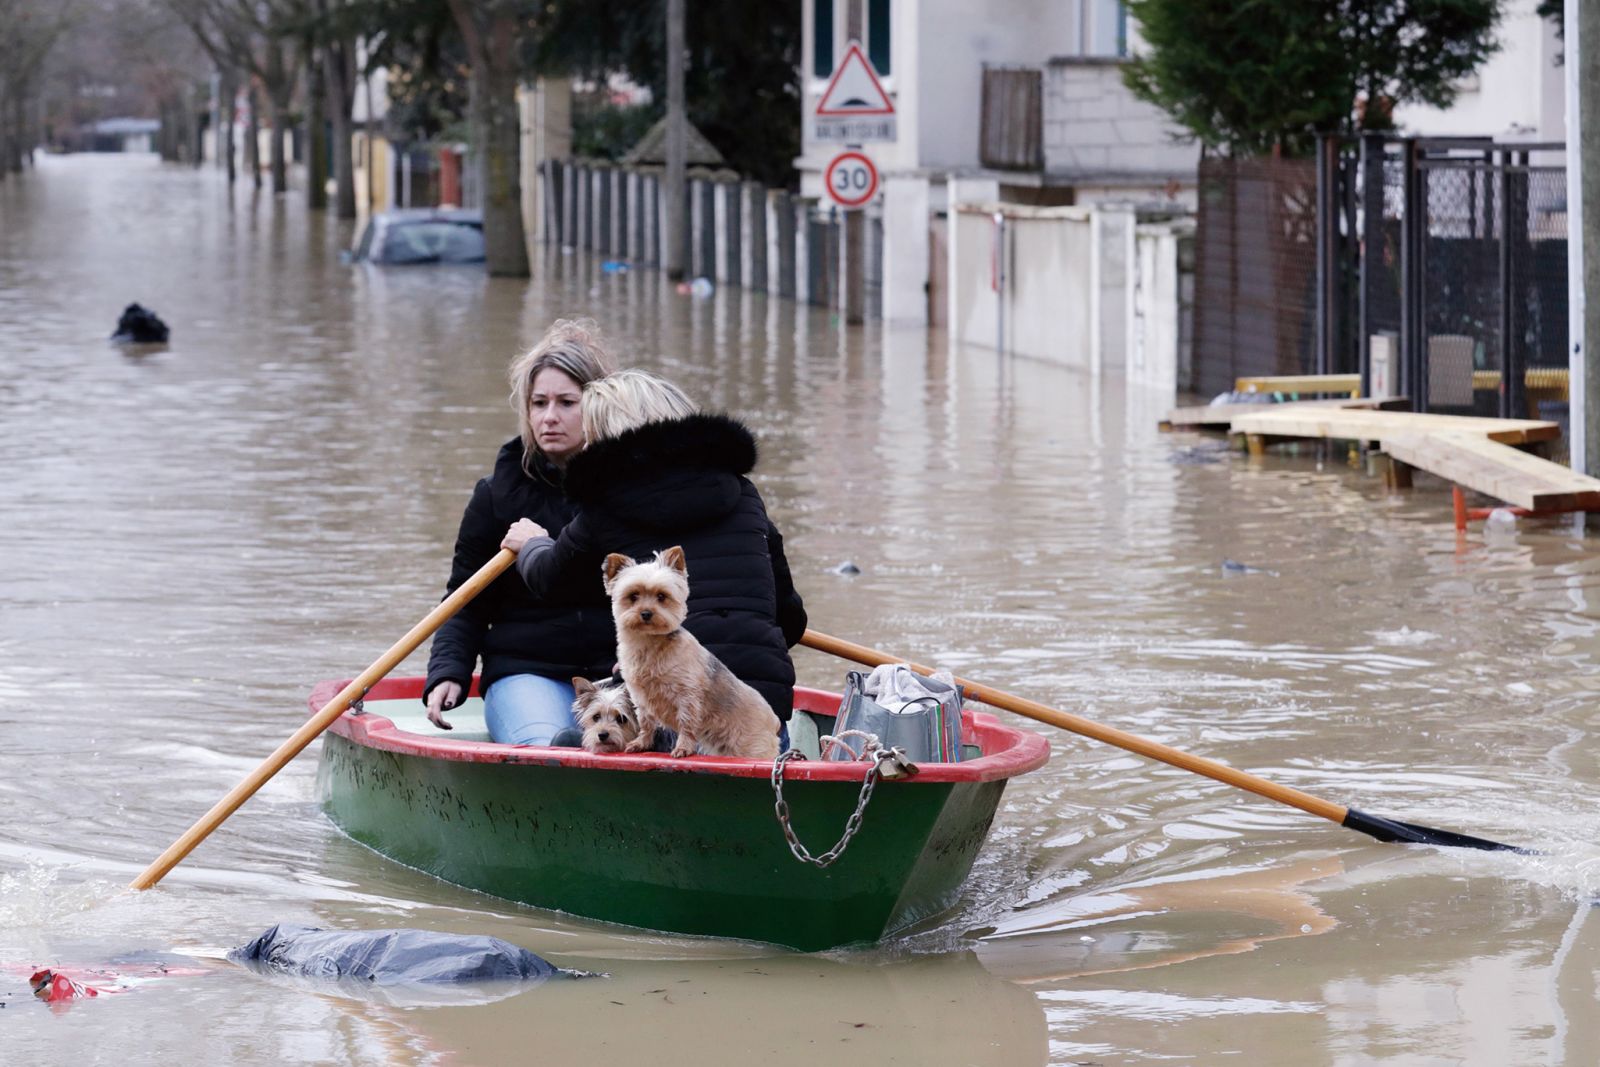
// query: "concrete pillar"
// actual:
[[650, 218], [550, 218], [600, 207], [569, 204], [780, 243], [619, 214], [695, 260], [1111, 285], [706, 236], [905, 250], [545, 111], [635, 183], [802, 249], [584, 235], [961, 191], [729, 233], [1582, 56], [753, 236]]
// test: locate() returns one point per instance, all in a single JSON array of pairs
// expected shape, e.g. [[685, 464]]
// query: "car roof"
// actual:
[[427, 214]]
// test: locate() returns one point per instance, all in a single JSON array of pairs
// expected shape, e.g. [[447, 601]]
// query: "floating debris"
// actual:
[[140, 326], [1198, 455], [1232, 568], [846, 568]]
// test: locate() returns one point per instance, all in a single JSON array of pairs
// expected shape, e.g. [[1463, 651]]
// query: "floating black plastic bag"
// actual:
[[393, 957], [140, 326]]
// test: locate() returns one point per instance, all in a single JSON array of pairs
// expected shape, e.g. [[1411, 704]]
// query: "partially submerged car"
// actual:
[[421, 235]]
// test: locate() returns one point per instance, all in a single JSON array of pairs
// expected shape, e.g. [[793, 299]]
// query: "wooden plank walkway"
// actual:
[[1301, 420], [1221, 416], [1473, 452], [1497, 470]]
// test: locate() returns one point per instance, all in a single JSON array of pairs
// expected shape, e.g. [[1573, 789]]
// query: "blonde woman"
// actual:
[[656, 472], [531, 646]]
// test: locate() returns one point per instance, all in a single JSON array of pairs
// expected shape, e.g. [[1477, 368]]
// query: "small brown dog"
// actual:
[[605, 714], [673, 680]]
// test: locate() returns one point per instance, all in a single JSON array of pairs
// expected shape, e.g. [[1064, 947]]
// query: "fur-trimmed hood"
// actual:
[[668, 473]]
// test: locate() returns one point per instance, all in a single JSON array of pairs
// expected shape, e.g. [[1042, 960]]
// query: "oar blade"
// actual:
[[1394, 830]]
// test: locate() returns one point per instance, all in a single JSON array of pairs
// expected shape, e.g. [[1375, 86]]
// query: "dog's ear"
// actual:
[[614, 565], [581, 686], [673, 557]]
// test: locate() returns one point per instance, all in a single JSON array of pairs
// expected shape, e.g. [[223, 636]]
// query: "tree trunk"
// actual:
[[341, 71], [252, 145], [227, 92], [491, 39], [316, 133], [279, 83], [19, 132], [497, 141], [5, 131], [167, 134]]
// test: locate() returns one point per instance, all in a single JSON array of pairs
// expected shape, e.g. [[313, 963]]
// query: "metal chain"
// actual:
[[879, 757]]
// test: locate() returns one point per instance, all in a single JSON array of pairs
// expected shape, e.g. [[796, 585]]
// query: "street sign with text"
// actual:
[[854, 108]]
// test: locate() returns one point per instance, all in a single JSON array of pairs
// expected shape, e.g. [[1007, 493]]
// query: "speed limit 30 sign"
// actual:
[[851, 179]]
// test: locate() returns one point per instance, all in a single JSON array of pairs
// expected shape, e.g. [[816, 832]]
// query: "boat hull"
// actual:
[[691, 846]]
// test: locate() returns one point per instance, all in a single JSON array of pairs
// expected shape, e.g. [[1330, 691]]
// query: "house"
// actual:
[[120, 135], [1015, 102]]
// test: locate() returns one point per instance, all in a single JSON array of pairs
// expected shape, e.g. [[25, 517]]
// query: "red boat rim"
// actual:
[[1007, 751]]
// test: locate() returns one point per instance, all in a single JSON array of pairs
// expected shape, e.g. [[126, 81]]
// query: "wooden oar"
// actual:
[[1374, 825], [323, 719]]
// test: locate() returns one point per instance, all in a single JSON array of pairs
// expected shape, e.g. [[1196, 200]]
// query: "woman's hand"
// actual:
[[443, 696], [522, 531]]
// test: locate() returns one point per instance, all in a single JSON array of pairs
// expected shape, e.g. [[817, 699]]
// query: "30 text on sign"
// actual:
[[851, 179]]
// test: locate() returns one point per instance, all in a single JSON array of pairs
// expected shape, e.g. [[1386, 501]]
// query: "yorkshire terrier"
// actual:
[[606, 716], [673, 680]]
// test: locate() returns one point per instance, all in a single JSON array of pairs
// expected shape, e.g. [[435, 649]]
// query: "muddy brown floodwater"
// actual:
[[195, 535]]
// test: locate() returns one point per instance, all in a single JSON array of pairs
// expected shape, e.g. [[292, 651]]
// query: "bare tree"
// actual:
[[257, 38], [31, 30]]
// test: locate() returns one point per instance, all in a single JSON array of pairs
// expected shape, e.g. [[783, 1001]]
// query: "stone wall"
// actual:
[[1095, 129]]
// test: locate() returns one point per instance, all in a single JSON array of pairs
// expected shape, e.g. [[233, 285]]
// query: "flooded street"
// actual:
[[194, 536]]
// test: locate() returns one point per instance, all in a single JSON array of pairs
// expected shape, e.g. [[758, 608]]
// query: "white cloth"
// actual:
[[892, 686]]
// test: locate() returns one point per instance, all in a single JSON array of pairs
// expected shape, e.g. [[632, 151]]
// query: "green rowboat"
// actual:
[[691, 845]]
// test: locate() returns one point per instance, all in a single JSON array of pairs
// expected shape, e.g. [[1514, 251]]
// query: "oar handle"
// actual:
[[1088, 728], [323, 719]]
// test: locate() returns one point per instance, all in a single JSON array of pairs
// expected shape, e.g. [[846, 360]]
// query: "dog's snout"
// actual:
[[646, 615], [605, 735]]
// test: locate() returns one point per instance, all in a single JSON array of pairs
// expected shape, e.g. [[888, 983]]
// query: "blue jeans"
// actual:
[[527, 709]]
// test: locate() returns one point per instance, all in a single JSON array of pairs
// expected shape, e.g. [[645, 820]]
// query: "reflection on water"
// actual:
[[197, 533]]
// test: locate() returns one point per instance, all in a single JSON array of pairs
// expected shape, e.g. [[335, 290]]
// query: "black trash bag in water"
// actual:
[[140, 326], [393, 957]]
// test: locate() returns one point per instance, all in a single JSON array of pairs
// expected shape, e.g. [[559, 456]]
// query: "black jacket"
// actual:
[[682, 482], [566, 632]]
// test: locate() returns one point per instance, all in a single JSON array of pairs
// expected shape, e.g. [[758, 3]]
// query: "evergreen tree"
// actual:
[[1254, 76]]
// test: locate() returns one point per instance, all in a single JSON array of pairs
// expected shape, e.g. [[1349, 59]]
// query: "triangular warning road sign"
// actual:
[[854, 89]]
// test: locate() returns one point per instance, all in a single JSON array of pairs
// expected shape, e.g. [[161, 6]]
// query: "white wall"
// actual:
[[1045, 303], [1518, 93], [1091, 289]]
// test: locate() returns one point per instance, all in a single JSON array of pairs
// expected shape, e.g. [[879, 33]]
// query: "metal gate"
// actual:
[[1442, 271]]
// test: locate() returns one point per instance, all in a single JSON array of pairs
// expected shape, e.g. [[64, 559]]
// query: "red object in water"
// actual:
[[52, 986]]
